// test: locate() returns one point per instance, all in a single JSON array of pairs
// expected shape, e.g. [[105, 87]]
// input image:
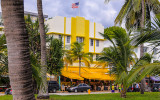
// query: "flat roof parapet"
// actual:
[[34, 14]]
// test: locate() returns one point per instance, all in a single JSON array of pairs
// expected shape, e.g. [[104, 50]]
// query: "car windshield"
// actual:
[[80, 85], [84, 84]]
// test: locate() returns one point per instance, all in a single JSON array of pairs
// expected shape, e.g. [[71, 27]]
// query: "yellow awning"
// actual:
[[71, 75], [88, 73]]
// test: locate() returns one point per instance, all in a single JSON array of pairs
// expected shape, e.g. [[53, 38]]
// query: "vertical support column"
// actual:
[[60, 82]]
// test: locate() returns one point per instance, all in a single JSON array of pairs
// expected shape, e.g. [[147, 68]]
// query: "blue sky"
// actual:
[[93, 10]]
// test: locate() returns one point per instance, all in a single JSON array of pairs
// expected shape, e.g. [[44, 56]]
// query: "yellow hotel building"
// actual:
[[81, 30]]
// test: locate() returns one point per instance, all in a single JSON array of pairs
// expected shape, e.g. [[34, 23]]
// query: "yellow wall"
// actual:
[[73, 30], [80, 30], [86, 40]]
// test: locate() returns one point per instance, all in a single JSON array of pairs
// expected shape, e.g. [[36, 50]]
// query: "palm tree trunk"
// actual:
[[20, 72], [123, 93], [142, 47], [79, 66], [43, 93]]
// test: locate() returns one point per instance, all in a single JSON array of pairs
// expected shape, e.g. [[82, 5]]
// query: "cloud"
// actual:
[[93, 10]]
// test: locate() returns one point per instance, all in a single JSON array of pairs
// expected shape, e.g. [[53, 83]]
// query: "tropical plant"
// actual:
[[3, 61], [67, 59], [136, 13], [36, 66], [35, 50], [55, 56], [20, 72], [34, 35], [150, 34], [120, 56], [76, 53]]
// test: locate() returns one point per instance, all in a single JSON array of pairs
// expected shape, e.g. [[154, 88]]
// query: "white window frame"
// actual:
[[91, 42], [80, 39], [68, 39], [97, 43]]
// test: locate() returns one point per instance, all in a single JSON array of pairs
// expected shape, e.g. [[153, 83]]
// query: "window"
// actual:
[[155, 51], [97, 43], [80, 39], [68, 39], [84, 84], [60, 36], [80, 84], [91, 42], [145, 49]]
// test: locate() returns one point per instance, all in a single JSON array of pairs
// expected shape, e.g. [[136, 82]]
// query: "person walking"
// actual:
[[119, 87], [112, 88], [137, 87]]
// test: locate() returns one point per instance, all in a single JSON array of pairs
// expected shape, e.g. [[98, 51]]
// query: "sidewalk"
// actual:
[[80, 93], [2, 94]]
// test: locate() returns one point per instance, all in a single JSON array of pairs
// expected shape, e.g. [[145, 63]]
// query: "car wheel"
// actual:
[[75, 91], [54, 90], [87, 90]]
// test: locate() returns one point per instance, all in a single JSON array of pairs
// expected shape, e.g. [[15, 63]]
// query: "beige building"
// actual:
[[78, 29]]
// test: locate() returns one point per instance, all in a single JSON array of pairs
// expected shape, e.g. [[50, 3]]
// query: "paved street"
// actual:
[[72, 93]]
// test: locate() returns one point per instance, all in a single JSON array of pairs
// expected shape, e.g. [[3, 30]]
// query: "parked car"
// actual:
[[53, 86], [3, 88], [8, 91], [156, 87], [80, 88]]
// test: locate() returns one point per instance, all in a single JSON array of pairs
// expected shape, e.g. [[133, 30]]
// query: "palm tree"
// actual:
[[34, 35], [43, 92], [20, 72], [136, 13], [120, 56], [55, 56], [77, 53], [150, 34], [67, 59]]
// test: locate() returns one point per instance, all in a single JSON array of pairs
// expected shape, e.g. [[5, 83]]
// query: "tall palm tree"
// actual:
[[77, 53], [20, 72], [136, 13], [43, 92], [120, 56]]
